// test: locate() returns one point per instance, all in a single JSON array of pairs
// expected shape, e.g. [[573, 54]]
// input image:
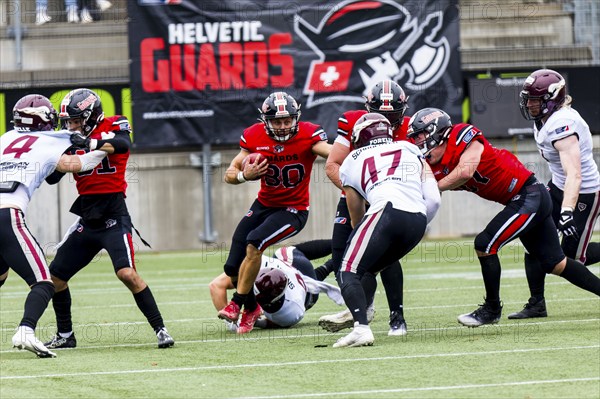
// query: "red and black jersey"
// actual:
[[102, 190], [348, 119], [499, 175], [109, 175], [290, 164]]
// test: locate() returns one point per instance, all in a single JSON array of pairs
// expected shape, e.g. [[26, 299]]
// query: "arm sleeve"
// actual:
[[54, 177], [121, 143], [91, 159], [432, 196]]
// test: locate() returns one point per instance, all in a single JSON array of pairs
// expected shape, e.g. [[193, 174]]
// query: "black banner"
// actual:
[[200, 70]]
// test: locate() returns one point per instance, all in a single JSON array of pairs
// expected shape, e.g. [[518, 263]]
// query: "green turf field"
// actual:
[[554, 357]]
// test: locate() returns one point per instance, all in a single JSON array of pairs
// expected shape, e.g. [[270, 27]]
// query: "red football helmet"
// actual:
[[280, 105], [388, 99], [545, 85], [434, 123], [34, 112], [269, 287], [371, 128]]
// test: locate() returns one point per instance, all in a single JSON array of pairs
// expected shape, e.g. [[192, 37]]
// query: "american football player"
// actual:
[[462, 159], [388, 99], [104, 221], [285, 296], [289, 147], [29, 154], [403, 197], [565, 142]]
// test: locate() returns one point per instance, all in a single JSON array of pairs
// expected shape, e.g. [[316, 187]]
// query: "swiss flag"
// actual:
[[329, 76]]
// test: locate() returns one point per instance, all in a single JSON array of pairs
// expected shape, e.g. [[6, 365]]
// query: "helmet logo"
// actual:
[[555, 88], [431, 117], [87, 102]]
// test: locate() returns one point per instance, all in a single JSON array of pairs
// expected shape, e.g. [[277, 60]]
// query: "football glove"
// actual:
[[80, 141], [566, 224]]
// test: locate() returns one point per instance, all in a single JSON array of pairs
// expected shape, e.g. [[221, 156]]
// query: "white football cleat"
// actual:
[[25, 338], [361, 335]]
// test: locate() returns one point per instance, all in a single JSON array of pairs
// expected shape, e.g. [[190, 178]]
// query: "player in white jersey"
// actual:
[[403, 196], [284, 303], [29, 154], [565, 142]]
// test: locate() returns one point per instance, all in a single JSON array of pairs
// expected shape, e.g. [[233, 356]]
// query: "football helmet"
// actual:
[[434, 123], [388, 99], [84, 104], [545, 85], [371, 128], [280, 105], [34, 112], [269, 288]]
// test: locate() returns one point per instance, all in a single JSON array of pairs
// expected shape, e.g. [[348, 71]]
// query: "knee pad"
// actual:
[[482, 241]]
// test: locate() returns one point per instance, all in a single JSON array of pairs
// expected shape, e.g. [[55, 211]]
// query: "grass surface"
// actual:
[[554, 357]]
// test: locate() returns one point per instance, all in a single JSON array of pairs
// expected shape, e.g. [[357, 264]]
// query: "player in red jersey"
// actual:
[[462, 159], [388, 99], [104, 221], [281, 210]]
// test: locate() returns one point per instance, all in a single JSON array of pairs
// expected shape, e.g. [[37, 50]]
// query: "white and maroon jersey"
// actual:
[[386, 173], [109, 176], [499, 175], [293, 309], [30, 157], [563, 123], [290, 164]]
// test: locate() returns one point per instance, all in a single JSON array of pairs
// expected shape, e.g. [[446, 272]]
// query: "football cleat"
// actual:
[[341, 320], [361, 335], [25, 338], [164, 339], [231, 312], [397, 324], [248, 319], [485, 314], [533, 308], [58, 342]]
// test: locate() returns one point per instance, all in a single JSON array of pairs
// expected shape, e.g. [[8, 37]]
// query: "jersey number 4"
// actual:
[[20, 146]]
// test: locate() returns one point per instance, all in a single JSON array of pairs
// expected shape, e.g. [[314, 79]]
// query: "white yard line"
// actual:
[[304, 333], [366, 393], [299, 363]]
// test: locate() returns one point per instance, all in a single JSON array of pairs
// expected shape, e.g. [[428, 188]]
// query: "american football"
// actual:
[[252, 158]]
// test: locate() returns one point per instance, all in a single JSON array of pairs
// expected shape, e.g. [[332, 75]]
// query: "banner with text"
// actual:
[[200, 70]]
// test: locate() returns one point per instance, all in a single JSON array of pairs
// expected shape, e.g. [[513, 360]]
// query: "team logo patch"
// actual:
[[561, 129], [323, 136], [249, 213], [79, 228], [340, 220], [292, 210], [278, 148], [110, 223], [581, 206]]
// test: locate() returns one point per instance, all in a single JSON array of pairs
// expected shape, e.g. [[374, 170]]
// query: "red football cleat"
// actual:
[[231, 312], [248, 320]]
